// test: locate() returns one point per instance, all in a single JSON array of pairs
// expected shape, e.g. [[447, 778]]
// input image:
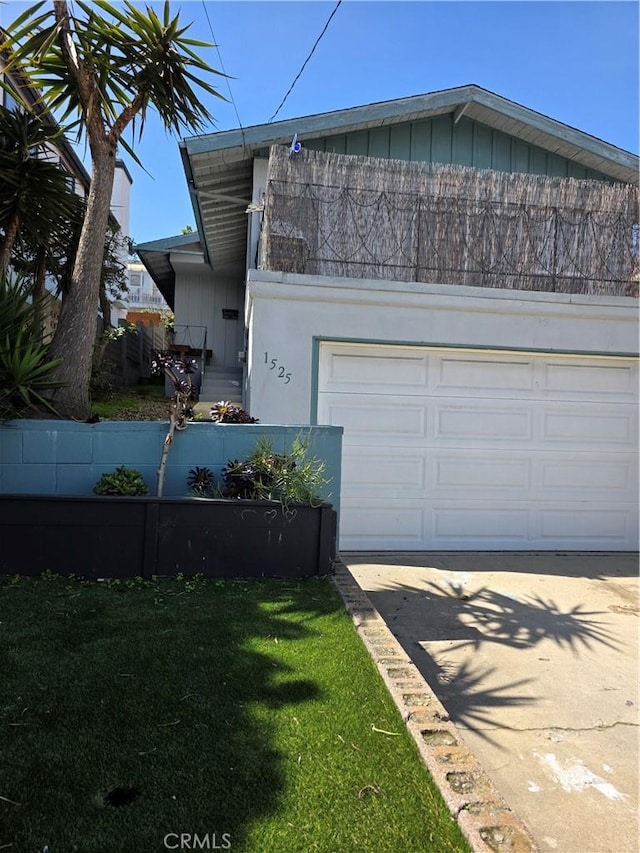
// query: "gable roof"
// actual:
[[218, 166]]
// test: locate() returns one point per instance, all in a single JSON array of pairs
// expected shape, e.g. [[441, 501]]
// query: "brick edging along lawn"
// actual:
[[484, 817]]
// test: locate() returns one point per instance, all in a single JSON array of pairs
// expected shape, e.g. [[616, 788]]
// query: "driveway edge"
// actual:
[[484, 817]]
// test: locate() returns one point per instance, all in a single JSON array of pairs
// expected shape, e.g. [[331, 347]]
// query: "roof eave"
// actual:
[[155, 255], [244, 142]]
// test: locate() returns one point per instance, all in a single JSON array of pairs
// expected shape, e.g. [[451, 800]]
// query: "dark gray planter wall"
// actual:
[[102, 537], [67, 458]]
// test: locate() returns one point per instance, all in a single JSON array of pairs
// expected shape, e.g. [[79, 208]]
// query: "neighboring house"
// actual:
[[142, 293], [63, 153], [475, 332]]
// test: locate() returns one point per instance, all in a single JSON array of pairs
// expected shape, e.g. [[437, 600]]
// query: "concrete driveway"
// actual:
[[535, 658]]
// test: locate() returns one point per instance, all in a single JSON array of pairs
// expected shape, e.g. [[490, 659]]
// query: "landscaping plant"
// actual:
[[290, 478], [230, 413], [105, 68], [123, 481], [201, 481], [185, 394], [25, 369]]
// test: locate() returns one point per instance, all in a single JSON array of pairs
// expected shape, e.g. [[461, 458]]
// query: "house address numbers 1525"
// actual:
[[281, 371]]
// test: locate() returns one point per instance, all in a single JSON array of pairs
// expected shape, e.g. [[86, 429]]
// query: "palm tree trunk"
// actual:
[[75, 334], [39, 290], [6, 244], [103, 341]]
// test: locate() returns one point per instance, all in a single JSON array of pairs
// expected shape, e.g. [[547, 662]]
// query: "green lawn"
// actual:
[[239, 709], [133, 403]]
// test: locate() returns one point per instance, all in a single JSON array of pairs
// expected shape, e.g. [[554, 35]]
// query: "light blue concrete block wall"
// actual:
[[67, 458]]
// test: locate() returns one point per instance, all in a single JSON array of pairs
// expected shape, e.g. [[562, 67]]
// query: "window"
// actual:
[[8, 100], [135, 279]]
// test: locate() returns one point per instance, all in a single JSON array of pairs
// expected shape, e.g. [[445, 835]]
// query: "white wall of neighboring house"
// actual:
[[143, 292], [121, 197]]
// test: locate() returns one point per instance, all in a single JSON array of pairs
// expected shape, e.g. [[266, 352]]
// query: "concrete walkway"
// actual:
[[535, 659]]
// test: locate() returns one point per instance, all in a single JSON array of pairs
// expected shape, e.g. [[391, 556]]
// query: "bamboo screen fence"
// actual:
[[340, 215]]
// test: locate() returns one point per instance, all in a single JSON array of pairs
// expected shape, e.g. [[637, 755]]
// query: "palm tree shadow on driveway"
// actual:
[[460, 627]]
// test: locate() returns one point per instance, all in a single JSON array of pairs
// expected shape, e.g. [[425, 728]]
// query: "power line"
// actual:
[[215, 42], [305, 62]]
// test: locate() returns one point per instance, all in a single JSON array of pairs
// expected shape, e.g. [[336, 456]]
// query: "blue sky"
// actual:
[[574, 61]]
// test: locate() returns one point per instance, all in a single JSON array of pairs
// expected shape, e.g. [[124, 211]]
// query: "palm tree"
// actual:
[[108, 71], [34, 196]]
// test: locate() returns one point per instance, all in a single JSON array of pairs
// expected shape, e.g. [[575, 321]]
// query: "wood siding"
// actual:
[[465, 143], [200, 300]]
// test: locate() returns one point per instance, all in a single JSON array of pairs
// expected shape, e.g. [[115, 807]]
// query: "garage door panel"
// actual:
[[594, 381], [583, 527], [473, 523], [469, 473], [587, 426], [585, 473], [479, 422], [396, 472], [398, 527], [376, 418], [458, 475], [459, 374], [348, 370]]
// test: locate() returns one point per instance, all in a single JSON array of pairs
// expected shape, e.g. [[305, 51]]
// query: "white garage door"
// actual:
[[467, 449]]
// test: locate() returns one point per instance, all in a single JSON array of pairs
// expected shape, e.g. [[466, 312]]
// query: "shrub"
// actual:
[[102, 374], [123, 481]]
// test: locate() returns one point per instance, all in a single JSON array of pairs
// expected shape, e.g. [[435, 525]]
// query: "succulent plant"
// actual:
[[200, 480], [240, 479], [225, 412]]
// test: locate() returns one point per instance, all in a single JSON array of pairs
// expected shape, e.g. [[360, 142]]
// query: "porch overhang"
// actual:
[[156, 257]]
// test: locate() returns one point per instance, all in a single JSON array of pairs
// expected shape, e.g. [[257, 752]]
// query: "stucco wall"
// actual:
[[287, 315], [67, 458]]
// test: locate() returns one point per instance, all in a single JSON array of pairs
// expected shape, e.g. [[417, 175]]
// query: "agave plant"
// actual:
[[241, 480], [25, 369]]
